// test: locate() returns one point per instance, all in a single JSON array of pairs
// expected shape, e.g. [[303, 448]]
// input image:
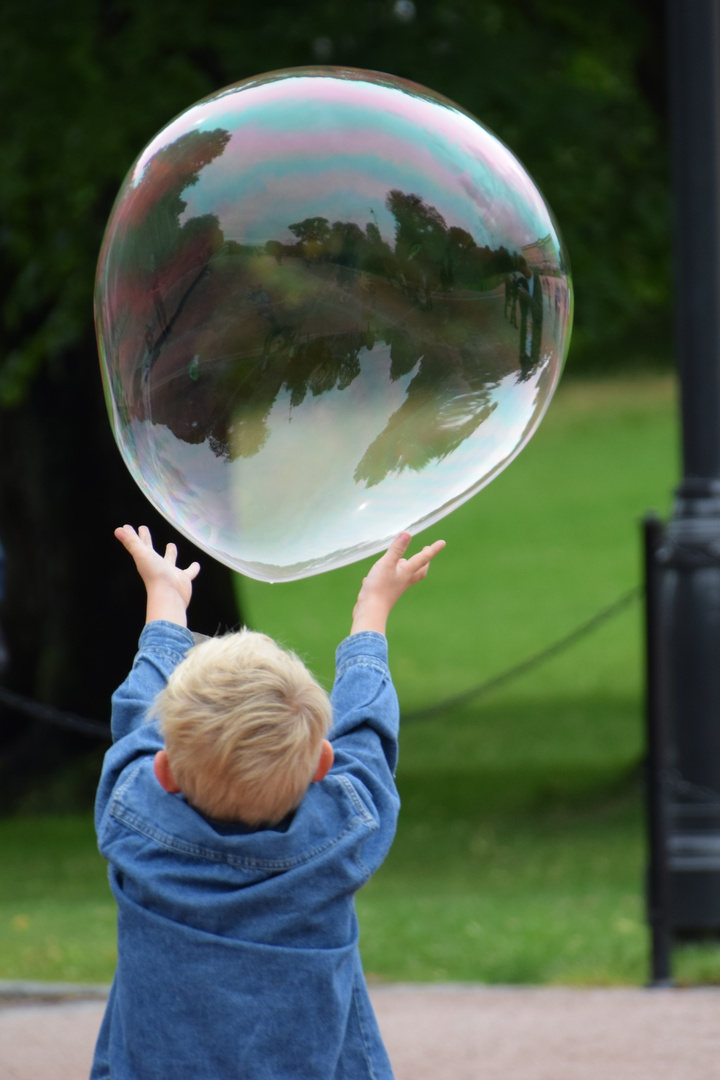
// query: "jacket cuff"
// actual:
[[368, 643], [168, 635]]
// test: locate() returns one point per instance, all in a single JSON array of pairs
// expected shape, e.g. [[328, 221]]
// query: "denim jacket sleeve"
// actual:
[[162, 647], [366, 719]]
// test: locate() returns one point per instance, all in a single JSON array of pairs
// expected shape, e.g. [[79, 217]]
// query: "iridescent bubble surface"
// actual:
[[330, 305]]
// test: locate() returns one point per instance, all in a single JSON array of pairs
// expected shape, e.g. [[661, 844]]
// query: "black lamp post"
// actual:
[[685, 865]]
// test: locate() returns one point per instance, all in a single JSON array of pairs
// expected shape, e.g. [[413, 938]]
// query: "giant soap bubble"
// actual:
[[330, 306]]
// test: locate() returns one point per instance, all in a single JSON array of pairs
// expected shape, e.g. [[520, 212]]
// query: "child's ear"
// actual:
[[327, 756], [164, 774]]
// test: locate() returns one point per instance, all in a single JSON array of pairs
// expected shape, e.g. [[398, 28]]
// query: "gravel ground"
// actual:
[[436, 1032]]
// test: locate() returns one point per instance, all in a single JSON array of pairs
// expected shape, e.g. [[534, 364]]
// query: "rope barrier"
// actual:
[[540, 657], [50, 715]]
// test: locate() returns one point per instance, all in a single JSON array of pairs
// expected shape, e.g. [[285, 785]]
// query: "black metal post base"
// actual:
[[689, 629], [658, 882]]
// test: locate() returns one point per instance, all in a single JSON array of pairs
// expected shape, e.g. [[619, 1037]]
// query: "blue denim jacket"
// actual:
[[238, 948]]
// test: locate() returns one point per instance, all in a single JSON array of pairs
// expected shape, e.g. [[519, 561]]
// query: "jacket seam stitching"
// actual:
[[368, 662], [137, 824]]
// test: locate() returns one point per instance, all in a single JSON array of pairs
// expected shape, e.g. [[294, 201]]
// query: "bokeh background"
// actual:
[[520, 854]]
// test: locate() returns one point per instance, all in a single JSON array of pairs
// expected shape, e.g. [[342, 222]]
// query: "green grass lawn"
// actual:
[[57, 915], [520, 851]]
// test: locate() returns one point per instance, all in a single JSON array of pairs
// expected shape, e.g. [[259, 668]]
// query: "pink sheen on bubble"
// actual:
[[330, 306]]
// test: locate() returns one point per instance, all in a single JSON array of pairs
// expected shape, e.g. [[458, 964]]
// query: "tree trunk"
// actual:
[[74, 604]]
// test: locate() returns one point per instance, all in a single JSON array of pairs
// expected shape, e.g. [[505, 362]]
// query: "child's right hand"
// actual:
[[169, 588], [388, 580]]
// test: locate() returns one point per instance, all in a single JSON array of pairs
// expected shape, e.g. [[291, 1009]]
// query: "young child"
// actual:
[[237, 835]]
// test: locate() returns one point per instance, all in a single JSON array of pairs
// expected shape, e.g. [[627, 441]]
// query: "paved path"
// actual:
[[444, 1033]]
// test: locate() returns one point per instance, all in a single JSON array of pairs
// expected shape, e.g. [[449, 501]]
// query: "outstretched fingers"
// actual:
[[171, 553], [387, 580], [144, 534], [139, 544], [128, 537], [399, 546], [418, 564]]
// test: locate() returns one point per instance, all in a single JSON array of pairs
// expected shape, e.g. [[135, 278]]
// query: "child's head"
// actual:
[[244, 723]]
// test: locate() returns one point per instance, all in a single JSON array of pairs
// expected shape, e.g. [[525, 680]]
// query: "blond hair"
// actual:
[[243, 721]]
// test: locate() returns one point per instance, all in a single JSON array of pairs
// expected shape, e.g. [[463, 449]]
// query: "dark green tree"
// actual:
[[578, 93]]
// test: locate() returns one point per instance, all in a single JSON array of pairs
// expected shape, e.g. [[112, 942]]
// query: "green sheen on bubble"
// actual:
[[330, 306]]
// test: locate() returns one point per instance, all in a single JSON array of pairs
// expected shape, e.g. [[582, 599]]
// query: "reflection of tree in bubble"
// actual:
[[227, 327], [162, 261]]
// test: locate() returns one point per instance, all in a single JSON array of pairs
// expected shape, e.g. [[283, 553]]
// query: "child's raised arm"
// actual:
[[387, 581], [168, 588]]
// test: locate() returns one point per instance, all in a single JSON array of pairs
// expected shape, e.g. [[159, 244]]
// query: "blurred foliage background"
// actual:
[[577, 92]]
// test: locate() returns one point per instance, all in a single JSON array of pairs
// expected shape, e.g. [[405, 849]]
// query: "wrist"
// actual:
[[369, 615], [165, 605]]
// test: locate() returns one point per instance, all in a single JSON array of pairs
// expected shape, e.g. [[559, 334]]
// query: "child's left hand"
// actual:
[[388, 579], [169, 589]]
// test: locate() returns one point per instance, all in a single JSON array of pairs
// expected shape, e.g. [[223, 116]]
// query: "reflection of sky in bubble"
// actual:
[[342, 511], [242, 515], [362, 144], [356, 137], [291, 408]]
